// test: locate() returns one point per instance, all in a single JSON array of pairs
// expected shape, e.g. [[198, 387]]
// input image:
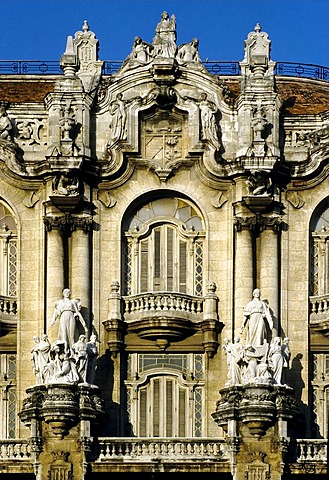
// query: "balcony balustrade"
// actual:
[[15, 450], [312, 450], [148, 449], [8, 307], [319, 306], [144, 303], [319, 313]]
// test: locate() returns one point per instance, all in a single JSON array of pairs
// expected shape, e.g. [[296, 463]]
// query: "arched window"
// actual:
[[164, 248], [166, 394], [8, 253], [8, 310], [319, 316]]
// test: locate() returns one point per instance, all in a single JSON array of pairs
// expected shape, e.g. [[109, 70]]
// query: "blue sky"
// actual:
[[37, 29]]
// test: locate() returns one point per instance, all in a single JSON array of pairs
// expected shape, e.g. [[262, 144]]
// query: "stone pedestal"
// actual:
[[255, 418], [59, 416]]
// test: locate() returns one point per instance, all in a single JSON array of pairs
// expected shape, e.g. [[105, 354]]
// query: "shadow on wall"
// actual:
[[104, 379], [295, 380]]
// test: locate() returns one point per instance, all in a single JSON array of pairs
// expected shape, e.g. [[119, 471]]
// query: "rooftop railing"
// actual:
[[216, 67]]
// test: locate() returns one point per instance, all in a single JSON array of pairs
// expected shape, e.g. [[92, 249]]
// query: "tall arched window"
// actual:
[[8, 253], [166, 394], [319, 316], [164, 248], [8, 310]]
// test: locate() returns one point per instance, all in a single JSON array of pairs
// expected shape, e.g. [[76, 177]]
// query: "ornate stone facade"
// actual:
[[164, 197]]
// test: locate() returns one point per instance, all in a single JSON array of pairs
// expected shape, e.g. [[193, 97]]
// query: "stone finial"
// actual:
[[257, 28], [257, 48], [69, 61], [86, 46]]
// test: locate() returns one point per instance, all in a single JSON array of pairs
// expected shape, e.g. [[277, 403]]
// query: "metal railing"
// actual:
[[216, 67], [30, 67]]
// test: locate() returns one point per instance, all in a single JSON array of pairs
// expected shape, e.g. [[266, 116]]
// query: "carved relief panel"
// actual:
[[163, 141]]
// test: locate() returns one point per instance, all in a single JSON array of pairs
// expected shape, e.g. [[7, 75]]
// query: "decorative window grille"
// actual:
[[8, 415], [164, 248], [321, 394], [159, 401], [8, 253]]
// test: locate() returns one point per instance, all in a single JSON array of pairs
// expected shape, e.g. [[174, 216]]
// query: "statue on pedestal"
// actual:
[[164, 41], [61, 367], [234, 352], [68, 312], [80, 353], [257, 318], [40, 356]]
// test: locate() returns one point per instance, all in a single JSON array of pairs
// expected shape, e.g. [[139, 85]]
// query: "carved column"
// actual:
[[55, 269], [80, 265], [244, 266], [269, 267]]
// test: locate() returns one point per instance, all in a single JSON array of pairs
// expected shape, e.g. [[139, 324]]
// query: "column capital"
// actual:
[[68, 223], [257, 223]]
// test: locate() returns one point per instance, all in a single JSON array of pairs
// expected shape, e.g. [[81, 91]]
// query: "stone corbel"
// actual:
[[114, 324], [164, 71], [211, 326]]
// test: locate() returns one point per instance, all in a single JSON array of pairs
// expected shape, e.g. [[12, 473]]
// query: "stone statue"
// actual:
[[235, 353], [141, 53], [5, 125], [259, 183], [66, 184], [118, 120], [286, 358], [79, 350], [40, 356], [257, 317], [276, 360], [61, 368], [188, 52], [164, 41], [25, 130], [209, 130], [67, 311], [92, 354], [256, 367]]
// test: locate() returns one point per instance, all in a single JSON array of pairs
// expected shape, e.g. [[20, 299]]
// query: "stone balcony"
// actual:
[[8, 308], [203, 454], [163, 317], [8, 320], [319, 313]]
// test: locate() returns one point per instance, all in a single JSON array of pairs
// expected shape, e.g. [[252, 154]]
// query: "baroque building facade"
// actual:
[[164, 266]]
